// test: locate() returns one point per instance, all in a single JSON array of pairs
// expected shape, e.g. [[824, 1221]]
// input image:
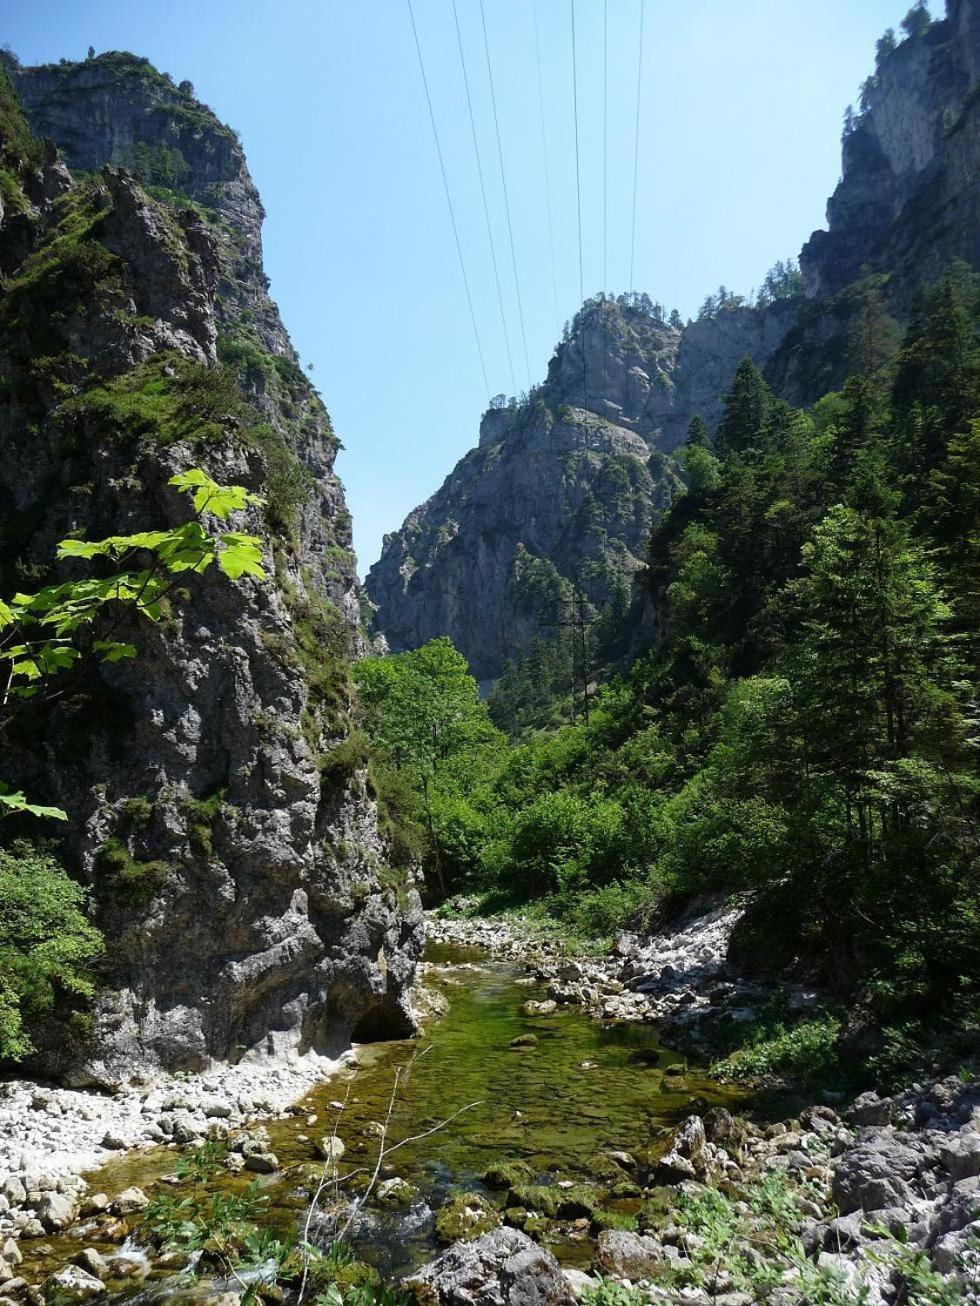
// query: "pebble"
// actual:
[[48, 1136]]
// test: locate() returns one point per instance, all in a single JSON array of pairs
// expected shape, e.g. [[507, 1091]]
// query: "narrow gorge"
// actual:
[[585, 907]]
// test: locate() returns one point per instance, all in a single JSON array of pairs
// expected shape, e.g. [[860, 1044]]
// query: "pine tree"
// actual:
[[937, 383], [698, 435], [917, 20], [746, 409]]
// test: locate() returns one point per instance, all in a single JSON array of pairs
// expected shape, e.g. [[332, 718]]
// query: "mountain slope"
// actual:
[[237, 869]]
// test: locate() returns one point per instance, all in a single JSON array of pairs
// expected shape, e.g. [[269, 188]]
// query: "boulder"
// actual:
[[395, 1191], [90, 1261], [545, 1008], [55, 1211], [262, 1163], [876, 1171], [870, 1109], [961, 1155], [465, 1215], [628, 1255], [129, 1201], [686, 1158], [331, 1148], [72, 1284], [13, 1189], [502, 1268]]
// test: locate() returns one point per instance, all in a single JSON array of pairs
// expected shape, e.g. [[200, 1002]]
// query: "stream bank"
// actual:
[[562, 1122], [576, 1151], [679, 979]]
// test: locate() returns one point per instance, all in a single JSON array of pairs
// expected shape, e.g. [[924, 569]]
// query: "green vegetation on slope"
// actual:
[[804, 736]]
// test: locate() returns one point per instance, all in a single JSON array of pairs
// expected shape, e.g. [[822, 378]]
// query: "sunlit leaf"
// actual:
[[11, 802]]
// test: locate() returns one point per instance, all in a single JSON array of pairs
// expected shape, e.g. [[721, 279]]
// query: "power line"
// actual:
[[578, 179], [636, 144], [449, 199], [605, 139], [503, 178], [578, 197], [605, 187], [483, 192], [547, 170]]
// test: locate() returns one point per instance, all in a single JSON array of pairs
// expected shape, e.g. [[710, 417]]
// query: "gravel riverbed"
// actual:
[[49, 1136]]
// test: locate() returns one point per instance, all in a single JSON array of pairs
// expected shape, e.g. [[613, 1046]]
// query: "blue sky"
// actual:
[[740, 119]]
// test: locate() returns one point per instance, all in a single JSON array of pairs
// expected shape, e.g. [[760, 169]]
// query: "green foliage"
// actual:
[[423, 713], [609, 1292], [804, 736], [19, 147], [47, 945], [49, 632], [219, 1221], [128, 880], [753, 1239], [38, 629], [804, 1053], [168, 398], [917, 20], [69, 274], [321, 637]]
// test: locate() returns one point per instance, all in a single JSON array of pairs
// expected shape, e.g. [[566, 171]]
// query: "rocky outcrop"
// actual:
[[238, 872], [558, 498], [907, 205], [503, 1268]]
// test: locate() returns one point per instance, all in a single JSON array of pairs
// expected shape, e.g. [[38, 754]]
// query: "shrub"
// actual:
[[128, 881], [805, 1052], [47, 945]]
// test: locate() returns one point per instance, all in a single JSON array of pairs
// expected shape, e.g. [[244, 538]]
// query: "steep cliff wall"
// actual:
[[233, 851], [907, 204], [560, 494]]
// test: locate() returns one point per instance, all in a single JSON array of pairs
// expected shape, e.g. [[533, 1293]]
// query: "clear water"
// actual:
[[586, 1086]]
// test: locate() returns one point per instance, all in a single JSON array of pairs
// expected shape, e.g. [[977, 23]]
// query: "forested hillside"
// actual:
[[805, 734]]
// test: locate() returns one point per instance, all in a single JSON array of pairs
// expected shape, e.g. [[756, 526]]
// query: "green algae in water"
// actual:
[[585, 1087]]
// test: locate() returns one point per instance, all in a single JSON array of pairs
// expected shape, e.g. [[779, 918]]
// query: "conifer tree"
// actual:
[[746, 409]]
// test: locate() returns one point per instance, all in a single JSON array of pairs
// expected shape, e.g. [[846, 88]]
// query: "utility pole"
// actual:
[[578, 620]]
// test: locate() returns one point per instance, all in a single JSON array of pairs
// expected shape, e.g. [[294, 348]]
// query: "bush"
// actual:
[[805, 1052], [47, 945], [129, 881]]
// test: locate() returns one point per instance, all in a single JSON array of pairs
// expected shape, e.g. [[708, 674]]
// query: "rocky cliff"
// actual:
[[558, 498], [216, 807], [561, 491], [907, 205]]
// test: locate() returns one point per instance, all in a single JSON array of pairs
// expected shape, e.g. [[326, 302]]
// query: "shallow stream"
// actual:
[[586, 1086]]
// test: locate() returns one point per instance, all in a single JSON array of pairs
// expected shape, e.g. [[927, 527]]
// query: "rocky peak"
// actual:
[[559, 496], [623, 383], [237, 868], [616, 359], [907, 202]]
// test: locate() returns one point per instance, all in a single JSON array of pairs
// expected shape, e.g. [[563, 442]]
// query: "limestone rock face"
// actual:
[[901, 205], [907, 204], [245, 896], [561, 492]]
